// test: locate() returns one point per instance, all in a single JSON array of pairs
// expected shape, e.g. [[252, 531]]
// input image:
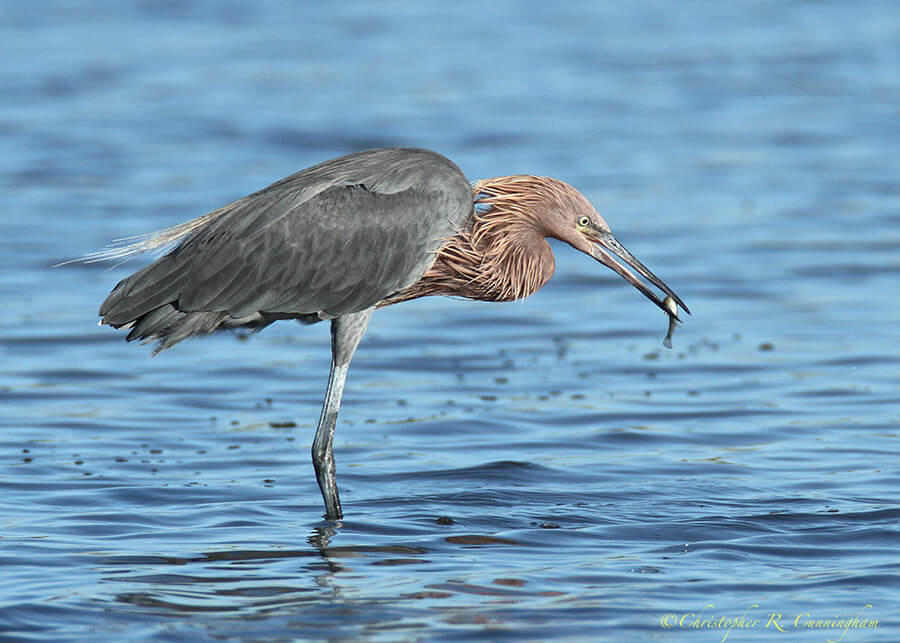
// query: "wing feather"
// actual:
[[334, 239]]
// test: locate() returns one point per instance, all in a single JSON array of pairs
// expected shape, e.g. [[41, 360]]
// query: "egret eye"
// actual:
[[583, 222]]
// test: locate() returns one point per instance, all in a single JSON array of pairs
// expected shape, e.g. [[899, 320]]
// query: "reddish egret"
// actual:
[[347, 236]]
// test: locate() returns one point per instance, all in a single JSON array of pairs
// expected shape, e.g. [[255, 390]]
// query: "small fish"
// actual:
[[672, 309]]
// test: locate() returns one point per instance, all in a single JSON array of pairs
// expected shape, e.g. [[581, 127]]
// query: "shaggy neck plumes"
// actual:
[[502, 254]]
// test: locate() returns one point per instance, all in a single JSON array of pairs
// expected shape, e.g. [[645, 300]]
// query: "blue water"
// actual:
[[517, 471]]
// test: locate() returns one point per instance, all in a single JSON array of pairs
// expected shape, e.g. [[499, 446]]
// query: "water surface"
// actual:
[[513, 471]]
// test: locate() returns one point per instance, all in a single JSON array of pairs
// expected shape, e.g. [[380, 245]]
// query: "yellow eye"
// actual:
[[583, 222]]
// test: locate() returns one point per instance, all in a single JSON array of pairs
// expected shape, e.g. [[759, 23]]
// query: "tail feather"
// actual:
[[167, 326], [146, 302], [149, 289]]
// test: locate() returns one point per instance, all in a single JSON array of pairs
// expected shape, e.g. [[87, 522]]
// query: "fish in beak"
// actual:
[[607, 250]]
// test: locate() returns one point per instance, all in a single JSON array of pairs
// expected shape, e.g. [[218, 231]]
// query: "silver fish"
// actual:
[[672, 309]]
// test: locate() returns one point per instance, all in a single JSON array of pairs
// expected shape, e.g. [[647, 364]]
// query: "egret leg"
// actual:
[[346, 331]]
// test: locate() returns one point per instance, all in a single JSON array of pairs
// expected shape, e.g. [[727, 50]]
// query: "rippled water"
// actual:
[[509, 471]]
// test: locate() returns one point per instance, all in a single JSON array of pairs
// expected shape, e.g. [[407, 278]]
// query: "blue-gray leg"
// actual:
[[346, 331]]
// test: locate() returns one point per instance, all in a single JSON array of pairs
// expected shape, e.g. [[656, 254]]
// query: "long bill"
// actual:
[[613, 254]]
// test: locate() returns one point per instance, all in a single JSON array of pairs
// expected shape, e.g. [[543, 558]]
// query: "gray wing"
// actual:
[[334, 239]]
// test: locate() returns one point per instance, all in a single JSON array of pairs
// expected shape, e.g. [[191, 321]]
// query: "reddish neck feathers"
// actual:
[[501, 255], [509, 226]]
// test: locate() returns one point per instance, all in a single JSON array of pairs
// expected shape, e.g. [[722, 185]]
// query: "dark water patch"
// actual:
[[657, 417], [857, 360], [508, 471], [832, 394], [38, 394], [53, 376], [16, 343], [846, 270]]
